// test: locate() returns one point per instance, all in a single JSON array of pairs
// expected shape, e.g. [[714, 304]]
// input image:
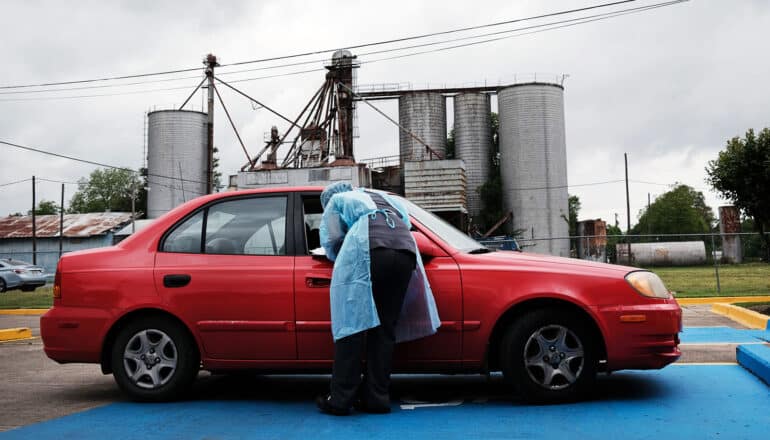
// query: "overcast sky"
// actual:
[[669, 86]]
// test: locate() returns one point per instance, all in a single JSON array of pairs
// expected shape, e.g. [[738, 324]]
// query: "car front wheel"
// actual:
[[154, 359], [550, 356], [3, 286]]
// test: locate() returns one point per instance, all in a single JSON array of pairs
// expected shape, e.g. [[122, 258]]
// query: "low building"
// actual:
[[81, 231]]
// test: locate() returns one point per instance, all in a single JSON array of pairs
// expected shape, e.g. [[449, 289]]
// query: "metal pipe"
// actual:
[[193, 93], [409, 132], [233, 125], [259, 103]]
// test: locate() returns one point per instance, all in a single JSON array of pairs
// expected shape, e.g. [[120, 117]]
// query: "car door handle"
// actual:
[[318, 281], [176, 280]]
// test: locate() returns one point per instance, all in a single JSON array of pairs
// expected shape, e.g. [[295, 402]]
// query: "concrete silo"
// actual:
[[176, 159], [533, 161], [424, 114], [473, 144]]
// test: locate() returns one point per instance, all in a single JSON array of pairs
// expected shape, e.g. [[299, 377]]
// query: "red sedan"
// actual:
[[227, 281]]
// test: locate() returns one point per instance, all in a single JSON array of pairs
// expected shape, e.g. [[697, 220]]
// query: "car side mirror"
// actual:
[[426, 246]]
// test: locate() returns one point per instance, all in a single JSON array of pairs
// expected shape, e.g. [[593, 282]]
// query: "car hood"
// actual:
[[547, 262]]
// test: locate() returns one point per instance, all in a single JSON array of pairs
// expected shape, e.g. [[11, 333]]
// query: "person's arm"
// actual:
[[333, 230]]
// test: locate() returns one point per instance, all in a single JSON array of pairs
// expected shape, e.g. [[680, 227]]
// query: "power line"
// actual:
[[14, 183], [553, 26], [321, 51], [433, 34], [547, 27], [77, 159]]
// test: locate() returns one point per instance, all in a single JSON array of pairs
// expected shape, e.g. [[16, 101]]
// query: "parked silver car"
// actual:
[[8, 279], [31, 276]]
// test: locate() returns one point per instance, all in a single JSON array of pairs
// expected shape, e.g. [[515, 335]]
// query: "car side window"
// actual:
[[312, 212], [253, 226], [186, 236]]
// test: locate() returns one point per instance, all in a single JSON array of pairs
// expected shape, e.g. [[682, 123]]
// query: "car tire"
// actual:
[[550, 356], [3, 286], [154, 359], [28, 288]]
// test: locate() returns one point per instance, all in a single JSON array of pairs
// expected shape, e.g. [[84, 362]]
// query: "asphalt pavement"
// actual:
[[686, 400]]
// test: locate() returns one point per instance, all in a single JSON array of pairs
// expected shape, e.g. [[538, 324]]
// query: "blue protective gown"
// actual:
[[346, 221]]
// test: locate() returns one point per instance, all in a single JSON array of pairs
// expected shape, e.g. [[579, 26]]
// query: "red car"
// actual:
[[227, 281]]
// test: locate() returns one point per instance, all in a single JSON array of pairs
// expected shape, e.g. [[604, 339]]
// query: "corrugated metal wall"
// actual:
[[436, 185], [425, 115], [473, 143], [534, 163], [48, 248], [177, 159]]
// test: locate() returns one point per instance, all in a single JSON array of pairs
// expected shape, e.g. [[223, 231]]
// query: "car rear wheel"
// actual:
[[154, 359], [550, 356]]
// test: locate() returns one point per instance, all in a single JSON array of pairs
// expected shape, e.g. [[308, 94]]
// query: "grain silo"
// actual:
[[473, 143], [176, 159], [533, 163], [424, 114]]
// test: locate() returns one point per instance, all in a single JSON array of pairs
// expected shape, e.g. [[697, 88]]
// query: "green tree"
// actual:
[[614, 236], [682, 210], [217, 175], [741, 173], [106, 190], [45, 207], [573, 205], [491, 192]]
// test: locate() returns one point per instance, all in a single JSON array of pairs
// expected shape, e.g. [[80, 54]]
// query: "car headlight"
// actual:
[[648, 284]]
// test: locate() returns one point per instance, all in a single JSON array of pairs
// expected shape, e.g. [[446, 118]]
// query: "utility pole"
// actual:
[[649, 224], [61, 222], [133, 209], [210, 62], [34, 228], [628, 210]]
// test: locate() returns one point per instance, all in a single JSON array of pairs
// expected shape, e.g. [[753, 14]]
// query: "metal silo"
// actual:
[[424, 114], [473, 143], [176, 159], [533, 163]]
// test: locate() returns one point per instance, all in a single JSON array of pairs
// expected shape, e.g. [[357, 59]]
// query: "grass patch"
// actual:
[[761, 307], [749, 279], [41, 298]]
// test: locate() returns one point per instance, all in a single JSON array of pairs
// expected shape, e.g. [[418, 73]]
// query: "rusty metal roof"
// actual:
[[75, 225]]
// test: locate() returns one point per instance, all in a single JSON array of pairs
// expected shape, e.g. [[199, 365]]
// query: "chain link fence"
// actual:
[[690, 264]]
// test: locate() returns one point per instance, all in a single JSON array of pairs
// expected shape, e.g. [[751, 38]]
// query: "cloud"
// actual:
[[668, 87]]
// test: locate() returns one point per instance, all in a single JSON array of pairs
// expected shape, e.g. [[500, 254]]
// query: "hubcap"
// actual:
[[554, 357], [150, 358]]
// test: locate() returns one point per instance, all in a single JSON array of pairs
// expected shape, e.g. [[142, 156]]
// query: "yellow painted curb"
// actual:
[[749, 318], [10, 334], [22, 311], [721, 299]]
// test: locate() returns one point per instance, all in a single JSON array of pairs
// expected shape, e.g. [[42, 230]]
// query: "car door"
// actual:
[[311, 284], [227, 271]]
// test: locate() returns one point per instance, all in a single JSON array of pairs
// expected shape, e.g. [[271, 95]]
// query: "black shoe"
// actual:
[[359, 405], [324, 404]]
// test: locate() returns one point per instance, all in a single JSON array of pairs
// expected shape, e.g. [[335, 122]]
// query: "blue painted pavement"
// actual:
[[711, 335], [685, 402]]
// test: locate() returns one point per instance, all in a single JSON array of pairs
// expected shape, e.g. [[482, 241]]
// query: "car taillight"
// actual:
[[57, 283], [20, 270]]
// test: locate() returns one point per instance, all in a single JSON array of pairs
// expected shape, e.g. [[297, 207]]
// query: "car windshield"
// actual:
[[453, 236]]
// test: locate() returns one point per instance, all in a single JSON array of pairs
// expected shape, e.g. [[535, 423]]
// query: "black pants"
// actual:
[[391, 271]]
